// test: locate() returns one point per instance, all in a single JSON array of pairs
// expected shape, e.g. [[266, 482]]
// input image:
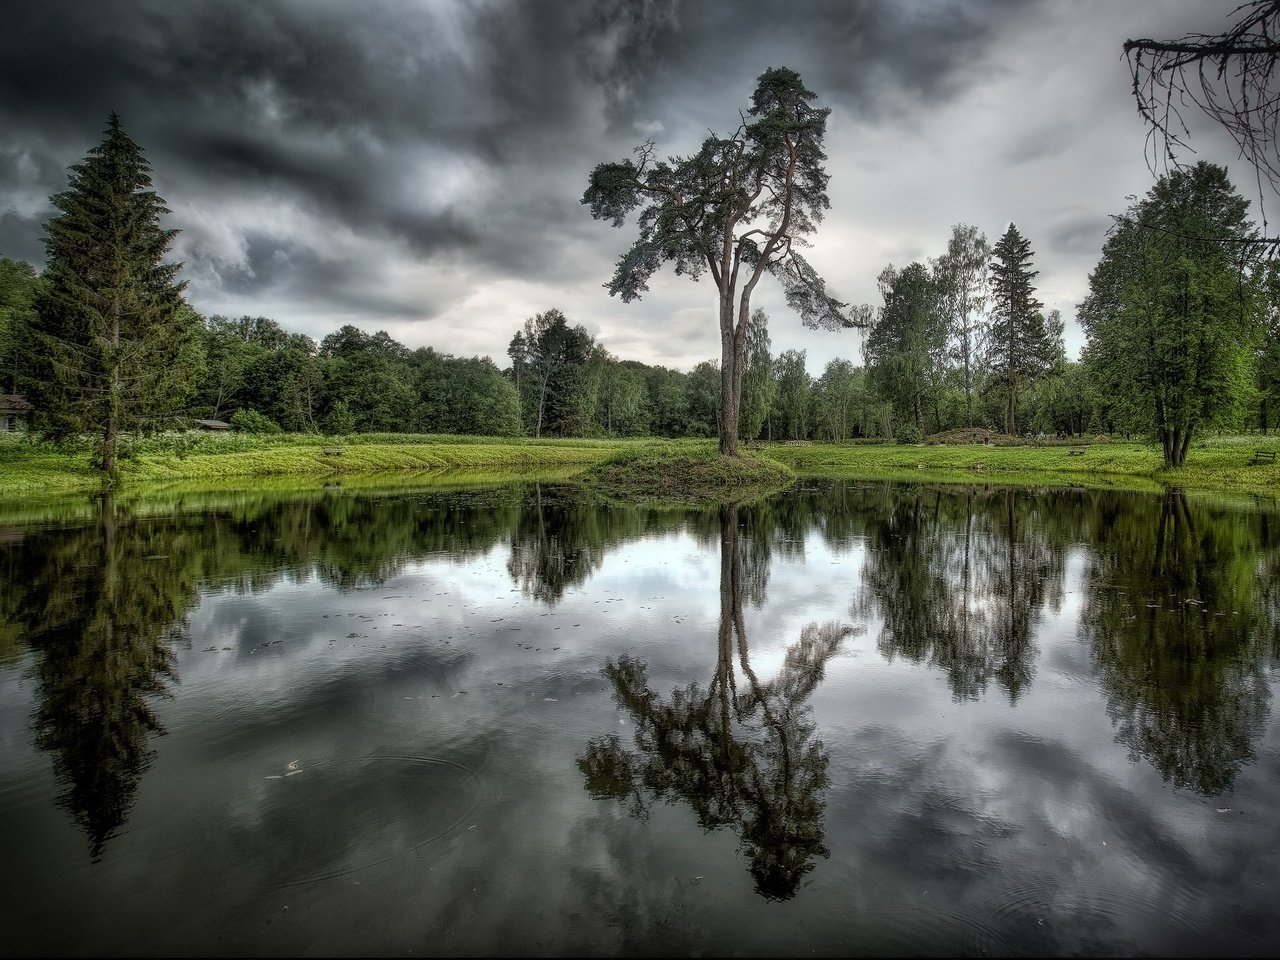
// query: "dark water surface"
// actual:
[[857, 719]]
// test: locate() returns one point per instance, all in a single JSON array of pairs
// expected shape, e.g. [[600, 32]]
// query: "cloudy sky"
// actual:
[[418, 167]]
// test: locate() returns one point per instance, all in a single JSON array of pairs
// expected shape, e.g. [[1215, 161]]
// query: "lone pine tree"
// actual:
[[109, 349], [743, 205]]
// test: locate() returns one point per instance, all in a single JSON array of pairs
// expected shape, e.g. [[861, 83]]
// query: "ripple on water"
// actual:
[[925, 929], [339, 816], [1050, 914]]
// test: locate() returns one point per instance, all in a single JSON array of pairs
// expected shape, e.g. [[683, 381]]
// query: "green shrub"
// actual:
[[340, 420], [907, 433], [251, 421]]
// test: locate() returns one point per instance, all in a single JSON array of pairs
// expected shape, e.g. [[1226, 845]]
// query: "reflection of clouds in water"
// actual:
[[1105, 857], [979, 824]]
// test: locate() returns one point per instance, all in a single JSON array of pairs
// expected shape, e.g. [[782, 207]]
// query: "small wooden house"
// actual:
[[212, 425], [15, 413]]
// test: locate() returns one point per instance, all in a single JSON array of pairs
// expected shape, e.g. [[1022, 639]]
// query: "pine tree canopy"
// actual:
[[110, 345], [1019, 347]]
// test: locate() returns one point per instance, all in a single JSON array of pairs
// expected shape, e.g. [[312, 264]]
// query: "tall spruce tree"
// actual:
[[112, 344], [1018, 345]]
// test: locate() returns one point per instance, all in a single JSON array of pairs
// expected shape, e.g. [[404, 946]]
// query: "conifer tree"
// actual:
[[112, 345], [1018, 345]]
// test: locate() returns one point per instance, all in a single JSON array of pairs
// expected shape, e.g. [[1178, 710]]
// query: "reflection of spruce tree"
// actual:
[[1175, 617], [959, 580], [747, 760], [103, 615], [1025, 572]]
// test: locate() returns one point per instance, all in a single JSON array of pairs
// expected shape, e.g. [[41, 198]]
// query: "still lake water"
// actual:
[[857, 719]]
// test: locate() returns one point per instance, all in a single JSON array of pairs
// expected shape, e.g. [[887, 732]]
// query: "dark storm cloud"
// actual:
[[22, 237], [463, 131], [864, 58], [1083, 235], [285, 268]]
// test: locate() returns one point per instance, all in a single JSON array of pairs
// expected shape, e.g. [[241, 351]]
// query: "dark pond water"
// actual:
[[857, 719]]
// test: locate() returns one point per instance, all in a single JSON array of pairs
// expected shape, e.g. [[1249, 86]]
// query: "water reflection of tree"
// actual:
[[960, 580], [744, 759], [1175, 613], [350, 540], [560, 536], [102, 606]]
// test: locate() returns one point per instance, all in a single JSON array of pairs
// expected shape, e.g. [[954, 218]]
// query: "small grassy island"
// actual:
[[686, 475]]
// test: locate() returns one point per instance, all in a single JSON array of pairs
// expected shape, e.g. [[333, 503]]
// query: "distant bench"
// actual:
[[333, 451], [1074, 453], [1263, 456]]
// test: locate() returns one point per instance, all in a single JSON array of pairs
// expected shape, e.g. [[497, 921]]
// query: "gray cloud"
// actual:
[[314, 150]]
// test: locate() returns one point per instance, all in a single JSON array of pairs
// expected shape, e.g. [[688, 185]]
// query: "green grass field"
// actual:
[[30, 470], [1220, 463]]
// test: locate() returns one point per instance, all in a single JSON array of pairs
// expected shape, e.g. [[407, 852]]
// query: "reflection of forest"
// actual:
[[1181, 615], [102, 602], [960, 580], [1181, 605], [747, 759]]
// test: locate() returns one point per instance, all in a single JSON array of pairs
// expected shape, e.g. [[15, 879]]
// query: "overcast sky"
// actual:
[[417, 167]]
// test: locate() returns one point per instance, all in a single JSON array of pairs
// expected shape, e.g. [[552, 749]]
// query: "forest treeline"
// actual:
[[921, 376], [1181, 322]]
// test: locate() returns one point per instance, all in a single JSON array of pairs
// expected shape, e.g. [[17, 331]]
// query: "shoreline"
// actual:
[[30, 472]]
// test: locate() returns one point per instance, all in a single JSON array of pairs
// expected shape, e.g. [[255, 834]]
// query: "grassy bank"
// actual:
[[645, 469], [28, 469], [1213, 464]]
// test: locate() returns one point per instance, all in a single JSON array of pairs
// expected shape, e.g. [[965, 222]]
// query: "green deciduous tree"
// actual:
[[113, 345], [371, 373], [551, 361], [738, 208], [231, 348], [703, 385], [906, 346], [758, 385], [623, 409], [791, 401], [466, 395], [840, 400], [1170, 319], [961, 278], [1267, 363]]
